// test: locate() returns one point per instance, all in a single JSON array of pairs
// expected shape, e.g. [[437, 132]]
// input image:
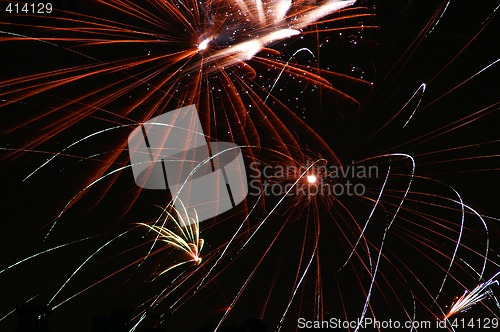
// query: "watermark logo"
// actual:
[[171, 151], [310, 180]]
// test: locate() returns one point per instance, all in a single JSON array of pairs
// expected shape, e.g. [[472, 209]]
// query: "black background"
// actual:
[[391, 57]]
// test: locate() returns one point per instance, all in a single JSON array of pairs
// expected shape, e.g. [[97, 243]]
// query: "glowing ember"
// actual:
[[311, 178], [204, 44]]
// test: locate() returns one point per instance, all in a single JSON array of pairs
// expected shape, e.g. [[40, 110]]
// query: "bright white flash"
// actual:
[[281, 9], [279, 35], [272, 20], [247, 49], [204, 44], [312, 179]]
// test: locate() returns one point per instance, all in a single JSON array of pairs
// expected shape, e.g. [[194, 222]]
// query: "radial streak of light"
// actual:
[[478, 294], [189, 241]]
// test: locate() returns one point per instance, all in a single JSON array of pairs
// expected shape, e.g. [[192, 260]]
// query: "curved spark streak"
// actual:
[[15, 309], [73, 144], [369, 218], [102, 177], [386, 231], [246, 282], [458, 242], [295, 290], [284, 67], [230, 241], [438, 19], [420, 91], [85, 262], [485, 260], [45, 252]]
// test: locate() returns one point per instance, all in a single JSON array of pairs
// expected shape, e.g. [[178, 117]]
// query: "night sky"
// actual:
[[453, 135]]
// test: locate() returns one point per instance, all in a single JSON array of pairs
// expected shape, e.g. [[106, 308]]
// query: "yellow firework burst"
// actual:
[[180, 231]]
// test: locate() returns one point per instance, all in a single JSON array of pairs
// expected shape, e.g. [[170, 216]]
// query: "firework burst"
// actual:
[[351, 212], [185, 236], [481, 292]]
